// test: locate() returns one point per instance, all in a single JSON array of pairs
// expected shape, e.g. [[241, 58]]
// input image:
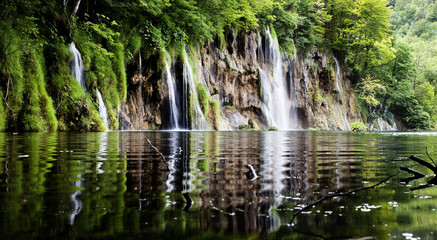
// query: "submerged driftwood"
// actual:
[[418, 175]]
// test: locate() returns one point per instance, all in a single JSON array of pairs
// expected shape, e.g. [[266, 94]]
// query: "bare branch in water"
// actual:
[[424, 163], [162, 155]]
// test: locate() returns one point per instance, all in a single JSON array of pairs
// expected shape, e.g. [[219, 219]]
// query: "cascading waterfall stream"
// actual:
[[173, 95], [342, 108], [102, 109], [385, 123], [77, 69], [199, 121], [337, 77], [277, 103]]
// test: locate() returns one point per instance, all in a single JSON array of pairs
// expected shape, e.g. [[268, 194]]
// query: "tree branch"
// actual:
[[430, 157], [162, 155], [424, 163]]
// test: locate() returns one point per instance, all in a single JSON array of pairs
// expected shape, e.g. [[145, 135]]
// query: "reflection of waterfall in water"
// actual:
[[173, 94], [198, 120], [277, 103], [175, 163], [102, 110], [103, 148], [341, 109], [77, 203], [77, 69], [272, 175]]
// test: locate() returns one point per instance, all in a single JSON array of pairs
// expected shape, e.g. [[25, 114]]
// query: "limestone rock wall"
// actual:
[[231, 75]]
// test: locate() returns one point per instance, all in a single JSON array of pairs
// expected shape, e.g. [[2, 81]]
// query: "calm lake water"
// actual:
[[115, 185]]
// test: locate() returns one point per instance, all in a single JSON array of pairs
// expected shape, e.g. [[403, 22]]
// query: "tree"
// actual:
[[363, 34]]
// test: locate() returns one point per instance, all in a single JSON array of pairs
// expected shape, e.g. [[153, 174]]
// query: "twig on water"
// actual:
[[430, 157], [339, 195], [162, 155]]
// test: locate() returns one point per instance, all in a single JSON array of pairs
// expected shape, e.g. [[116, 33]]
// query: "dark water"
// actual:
[[114, 185]]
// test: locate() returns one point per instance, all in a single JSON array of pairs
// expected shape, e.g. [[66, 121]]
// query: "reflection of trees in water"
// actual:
[[292, 167]]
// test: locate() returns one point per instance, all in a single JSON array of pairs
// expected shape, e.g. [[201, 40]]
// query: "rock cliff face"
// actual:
[[255, 86]]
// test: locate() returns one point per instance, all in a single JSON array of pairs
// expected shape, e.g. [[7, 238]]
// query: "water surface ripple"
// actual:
[[220, 185]]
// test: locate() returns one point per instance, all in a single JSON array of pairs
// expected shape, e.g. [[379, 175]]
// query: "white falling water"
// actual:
[[342, 108], [198, 121], [277, 104], [337, 77], [102, 109], [172, 95], [141, 67], [77, 66], [385, 123]]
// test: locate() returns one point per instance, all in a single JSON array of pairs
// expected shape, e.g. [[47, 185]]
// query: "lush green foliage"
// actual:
[[415, 23], [358, 127]]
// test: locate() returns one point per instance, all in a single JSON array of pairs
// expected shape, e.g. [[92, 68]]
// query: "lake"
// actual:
[[221, 185]]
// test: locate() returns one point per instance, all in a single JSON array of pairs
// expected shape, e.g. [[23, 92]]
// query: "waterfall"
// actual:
[[173, 95], [384, 123], [277, 103], [260, 49], [198, 119], [102, 109], [77, 66], [337, 77], [342, 108]]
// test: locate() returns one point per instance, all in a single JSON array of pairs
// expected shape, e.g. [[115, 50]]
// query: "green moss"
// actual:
[[272, 128], [214, 114], [162, 61], [253, 125], [203, 96], [362, 107], [11, 72], [32, 115], [209, 106], [45, 101], [120, 69], [134, 44]]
